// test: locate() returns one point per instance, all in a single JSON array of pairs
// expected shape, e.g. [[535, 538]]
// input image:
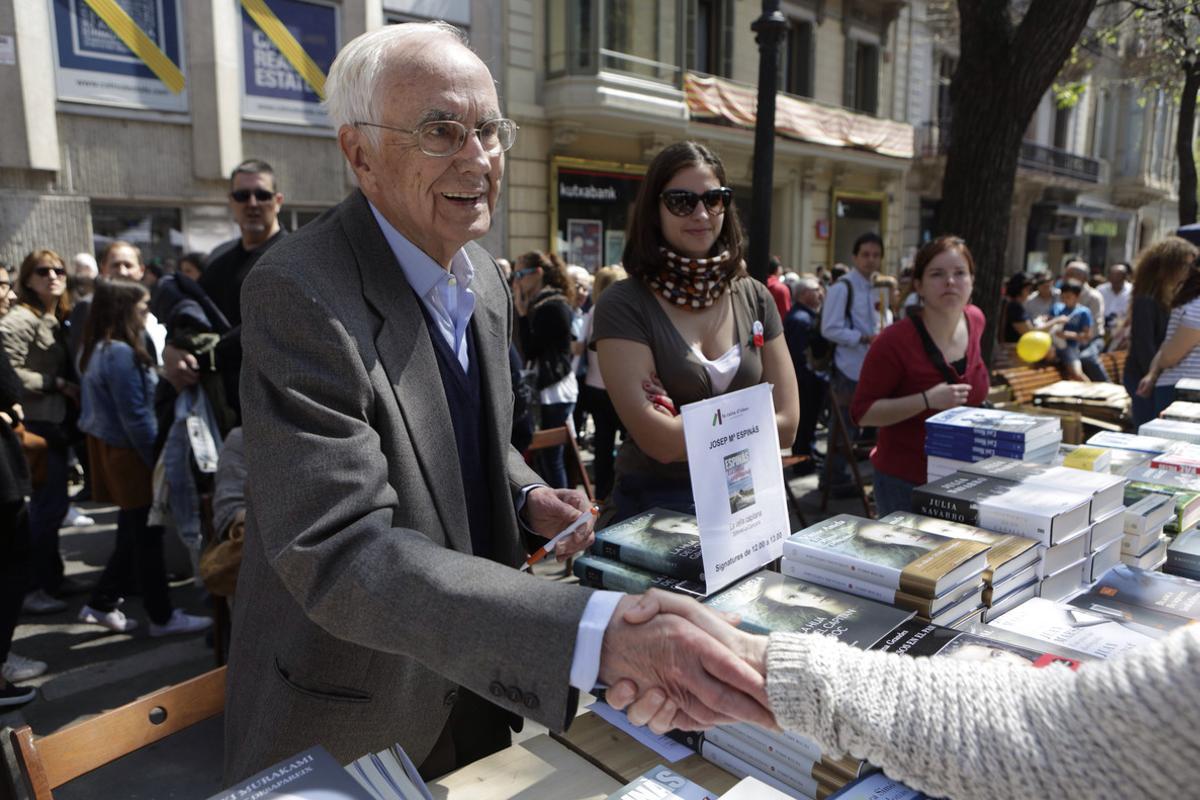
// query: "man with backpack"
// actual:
[[810, 356], [851, 320]]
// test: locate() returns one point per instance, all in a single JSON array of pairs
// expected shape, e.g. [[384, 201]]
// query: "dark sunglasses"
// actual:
[[682, 202], [261, 195], [44, 272]]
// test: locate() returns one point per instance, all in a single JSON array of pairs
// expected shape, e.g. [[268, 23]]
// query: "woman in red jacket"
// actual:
[[923, 364]]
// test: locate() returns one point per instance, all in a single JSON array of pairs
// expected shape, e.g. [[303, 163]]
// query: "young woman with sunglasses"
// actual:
[[35, 343], [689, 325]]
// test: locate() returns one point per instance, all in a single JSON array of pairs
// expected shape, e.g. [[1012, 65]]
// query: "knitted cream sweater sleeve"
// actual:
[[957, 729]]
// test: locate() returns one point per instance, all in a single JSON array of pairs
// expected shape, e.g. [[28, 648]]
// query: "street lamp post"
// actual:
[[770, 29]]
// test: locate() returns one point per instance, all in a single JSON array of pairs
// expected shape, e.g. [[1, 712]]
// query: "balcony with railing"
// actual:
[[933, 139], [615, 55]]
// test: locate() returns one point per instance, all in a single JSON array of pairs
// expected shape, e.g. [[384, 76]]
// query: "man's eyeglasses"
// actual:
[[682, 202], [445, 137], [244, 195], [44, 272]]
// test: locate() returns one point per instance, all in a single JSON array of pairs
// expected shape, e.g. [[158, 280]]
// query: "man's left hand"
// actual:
[[547, 511]]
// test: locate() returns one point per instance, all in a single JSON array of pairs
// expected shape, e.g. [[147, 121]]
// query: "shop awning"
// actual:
[[711, 98]]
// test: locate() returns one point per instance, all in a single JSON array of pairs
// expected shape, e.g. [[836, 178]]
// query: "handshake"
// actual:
[[673, 663]]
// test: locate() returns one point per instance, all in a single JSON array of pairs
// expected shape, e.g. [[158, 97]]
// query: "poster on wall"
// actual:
[[287, 49], [585, 239], [124, 53], [614, 246]]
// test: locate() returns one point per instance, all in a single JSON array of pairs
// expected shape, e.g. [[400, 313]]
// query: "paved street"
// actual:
[[92, 670]]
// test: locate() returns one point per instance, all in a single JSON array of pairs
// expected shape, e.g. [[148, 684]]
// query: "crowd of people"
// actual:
[[356, 397]]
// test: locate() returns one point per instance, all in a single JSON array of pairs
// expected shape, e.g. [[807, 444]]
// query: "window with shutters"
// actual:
[[796, 61], [710, 44]]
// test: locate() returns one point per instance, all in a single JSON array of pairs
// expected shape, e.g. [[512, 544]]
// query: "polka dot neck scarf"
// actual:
[[693, 283]]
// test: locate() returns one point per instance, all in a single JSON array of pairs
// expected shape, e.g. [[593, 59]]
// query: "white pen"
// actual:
[[549, 546]]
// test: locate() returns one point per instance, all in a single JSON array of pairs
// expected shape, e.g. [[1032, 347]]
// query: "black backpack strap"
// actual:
[[932, 350]]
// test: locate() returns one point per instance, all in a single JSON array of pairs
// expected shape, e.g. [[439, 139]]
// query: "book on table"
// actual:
[[740, 768], [993, 423], [969, 591], [316, 775], [750, 788], [1186, 511], [967, 450], [661, 783], [1152, 558], [1115, 440], [1063, 582], [906, 560], [1107, 491], [1107, 529], [1171, 429], [769, 601], [1101, 561], [1148, 513], [1084, 457], [1007, 554], [604, 573], [1007, 602], [659, 540], [1040, 513], [1066, 551], [998, 591], [1187, 389], [1152, 602], [1135, 544], [1183, 555], [1182, 410], [1058, 623], [1185, 458]]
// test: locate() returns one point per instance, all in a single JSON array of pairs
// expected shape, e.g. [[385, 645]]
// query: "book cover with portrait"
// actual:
[[769, 601], [913, 561], [659, 540], [739, 481]]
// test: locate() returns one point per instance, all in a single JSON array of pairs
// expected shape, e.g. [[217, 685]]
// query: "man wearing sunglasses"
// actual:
[[255, 201], [379, 598]]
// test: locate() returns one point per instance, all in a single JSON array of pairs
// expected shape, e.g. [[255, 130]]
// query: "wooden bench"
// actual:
[[1023, 382]]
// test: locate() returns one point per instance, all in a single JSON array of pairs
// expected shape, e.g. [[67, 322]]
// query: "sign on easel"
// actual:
[[737, 482]]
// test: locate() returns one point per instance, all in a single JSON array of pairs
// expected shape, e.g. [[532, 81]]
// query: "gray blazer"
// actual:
[[360, 609]]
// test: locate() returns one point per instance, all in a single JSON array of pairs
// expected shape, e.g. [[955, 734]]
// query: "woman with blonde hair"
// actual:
[[1160, 270], [35, 342]]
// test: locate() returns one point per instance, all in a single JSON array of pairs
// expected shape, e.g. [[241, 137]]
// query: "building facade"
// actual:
[[105, 142]]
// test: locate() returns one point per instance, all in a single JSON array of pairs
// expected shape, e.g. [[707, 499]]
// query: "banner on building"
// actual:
[[125, 53], [287, 49]]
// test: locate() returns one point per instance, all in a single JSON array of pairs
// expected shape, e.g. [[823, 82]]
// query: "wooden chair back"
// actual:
[[556, 437], [1024, 381], [47, 762]]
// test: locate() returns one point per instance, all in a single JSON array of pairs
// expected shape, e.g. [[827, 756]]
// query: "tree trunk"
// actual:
[[1002, 75], [1183, 143]]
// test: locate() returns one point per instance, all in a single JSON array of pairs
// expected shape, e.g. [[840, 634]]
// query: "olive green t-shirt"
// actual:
[[629, 310]]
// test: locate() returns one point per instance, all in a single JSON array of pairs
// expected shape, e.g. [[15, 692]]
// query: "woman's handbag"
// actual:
[[36, 451]]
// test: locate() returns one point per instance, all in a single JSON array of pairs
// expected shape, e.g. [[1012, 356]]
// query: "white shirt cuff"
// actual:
[[585, 664], [520, 506]]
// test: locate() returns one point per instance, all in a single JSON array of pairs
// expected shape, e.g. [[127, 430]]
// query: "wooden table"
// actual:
[[625, 758], [536, 769]]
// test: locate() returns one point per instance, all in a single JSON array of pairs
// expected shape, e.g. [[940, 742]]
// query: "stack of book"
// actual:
[[1171, 429], [964, 435], [1057, 520], [1148, 445], [1182, 410], [1105, 494], [1188, 389], [1184, 488], [1013, 562], [1126, 609], [659, 549], [1183, 555], [937, 576], [1143, 543], [767, 602], [1185, 457]]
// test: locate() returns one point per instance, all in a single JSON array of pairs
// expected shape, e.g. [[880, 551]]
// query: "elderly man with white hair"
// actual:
[[378, 599]]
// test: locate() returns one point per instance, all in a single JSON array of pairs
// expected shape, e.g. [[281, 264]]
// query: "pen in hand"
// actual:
[[549, 546]]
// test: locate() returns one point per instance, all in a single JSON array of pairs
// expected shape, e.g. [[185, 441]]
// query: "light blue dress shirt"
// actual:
[[448, 298]]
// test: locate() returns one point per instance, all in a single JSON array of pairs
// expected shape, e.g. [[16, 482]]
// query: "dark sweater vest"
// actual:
[[464, 396]]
